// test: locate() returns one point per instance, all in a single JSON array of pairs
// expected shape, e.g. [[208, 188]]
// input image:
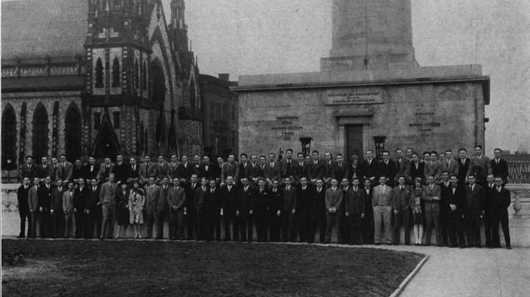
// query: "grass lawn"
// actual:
[[151, 268]]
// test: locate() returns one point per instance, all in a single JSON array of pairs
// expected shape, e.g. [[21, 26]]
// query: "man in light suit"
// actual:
[[382, 203], [499, 166], [66, 169], [56, 209], [480, 167], [175, 199], [402, 166], [162, 207], [152, 192], [105, 170], [107, 200], [334, 197], [450, 165], [431, 195]]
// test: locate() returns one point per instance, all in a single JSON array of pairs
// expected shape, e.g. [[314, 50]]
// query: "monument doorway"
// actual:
[[354, 141]]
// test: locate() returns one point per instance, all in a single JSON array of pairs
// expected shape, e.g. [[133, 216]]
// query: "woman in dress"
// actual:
[[416, 203], [122, 210], [136, 207]]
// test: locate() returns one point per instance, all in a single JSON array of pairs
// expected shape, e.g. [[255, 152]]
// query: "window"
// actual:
[[97, 120], [136, 75], [40, 138], [116, 73], [116, 116], [9, 138], [99, 73], [144, 77]]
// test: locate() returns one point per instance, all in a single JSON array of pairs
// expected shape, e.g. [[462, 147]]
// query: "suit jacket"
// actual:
[[229, 200], [162, 205], [403, 168], [354, 201], [22, 197], [79, 198], [500, 169], [91, 200], [475, 200], [427, 196], [289, 200], [25, 171], [151, 197], [190, 196], [147, 170], [339, 172], [244, 169], [213, 201], [176, 197], [68, 202], [401, 197], [463, 169], [451, 166], [260, 170], [388, 170], [91, 172], [316, 170], [107, 194], [33, 198], [162, 170], [382, 196], [104, 172], [251, 171], [42, 172], [369, 169], [303, 199], [211, 172], [199, 198], [57, 198], [354, 171], [122, 198], [121, 172], [65, 171], [500, 201], [456, 197], [481, 167], [432, 168], [78, 172], [246, 201], [54, 172], [45, 197], [134, 174], [263, 201], [230, 170], [328, 169], [289, 169], [334, 198], [418, 171], [318, 205], [276, 201], [272, 171]]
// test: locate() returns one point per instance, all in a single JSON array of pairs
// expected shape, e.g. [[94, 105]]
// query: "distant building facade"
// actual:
[[88, 77], [220, 126]]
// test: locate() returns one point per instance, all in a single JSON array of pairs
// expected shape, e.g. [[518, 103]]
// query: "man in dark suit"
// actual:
[[80, 195], [475, 195], [369, 167], [454, 197], [499, 166], [190, 207], [230, 168], [367, 223], [340, 169], [288, 166], [23, 206], [431, 196], [334, 197], [243, 165], [229, 198], [401, 196], [54, 167], [304, 197], [252, 170], [92, 211], [44, 194], [133, 172], [488, 210], [105, 170], [463, 165], [445, 185], [272, 169], [91, 169], [343, 231], [480, 166], [147, 169], [176, 198], [328, 165], [208, 169], [276, 209], [56, 209], [121, 170], [199, 202], [500, 201], [317, 167], [402, 166], [260, 169], [416, 168], [43, 170], [289, 211], [262, 211], [387, 168], [245, 210], [78, 171], [27, 170], [317, 213], [213, 204], [354, 210], [162, 169]]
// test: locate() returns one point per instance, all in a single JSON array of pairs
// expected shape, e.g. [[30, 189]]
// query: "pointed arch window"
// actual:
[[72, 128], [9, 138], [116, 73], [99, 73], [40, 139], [136, 75]]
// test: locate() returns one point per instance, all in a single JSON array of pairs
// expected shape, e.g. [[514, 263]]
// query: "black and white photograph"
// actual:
[[265, 148]]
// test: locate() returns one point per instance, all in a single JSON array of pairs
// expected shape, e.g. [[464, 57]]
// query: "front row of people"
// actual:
[[360, 213]]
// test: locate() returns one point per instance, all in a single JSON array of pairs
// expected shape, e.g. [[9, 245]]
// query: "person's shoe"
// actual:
[[509, 247], [21, 236]]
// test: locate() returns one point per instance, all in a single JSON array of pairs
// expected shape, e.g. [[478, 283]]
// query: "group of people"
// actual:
[[284, 198]]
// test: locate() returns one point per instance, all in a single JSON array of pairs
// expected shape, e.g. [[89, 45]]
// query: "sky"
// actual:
[[245, 37]]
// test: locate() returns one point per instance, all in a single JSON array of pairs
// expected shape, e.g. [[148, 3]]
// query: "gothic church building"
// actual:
[[97, 77]]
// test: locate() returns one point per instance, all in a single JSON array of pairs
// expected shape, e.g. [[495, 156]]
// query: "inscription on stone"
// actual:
[[286, 126], [354, 96], [425, 123]]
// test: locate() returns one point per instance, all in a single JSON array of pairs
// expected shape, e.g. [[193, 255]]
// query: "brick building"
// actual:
[[98, 77]]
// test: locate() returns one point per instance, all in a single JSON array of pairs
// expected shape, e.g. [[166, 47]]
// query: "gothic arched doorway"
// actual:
[[72, 132], [9, 138], [40, 137], [106, 142]]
